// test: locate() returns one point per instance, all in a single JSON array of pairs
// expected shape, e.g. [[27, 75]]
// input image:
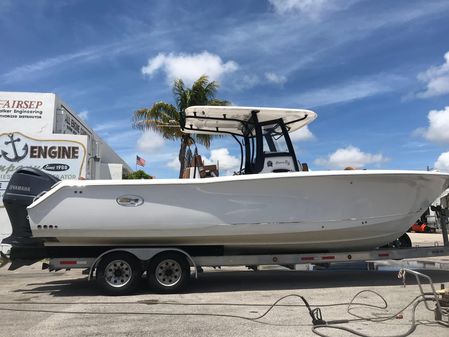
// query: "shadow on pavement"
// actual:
[[230, 281]]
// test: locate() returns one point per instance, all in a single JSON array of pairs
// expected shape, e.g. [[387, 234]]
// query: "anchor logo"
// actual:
[[13, 142]]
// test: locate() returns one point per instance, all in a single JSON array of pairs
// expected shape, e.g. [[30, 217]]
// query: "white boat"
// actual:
[[272, 204]]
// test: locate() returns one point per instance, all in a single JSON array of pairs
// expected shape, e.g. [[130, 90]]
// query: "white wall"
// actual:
[[5, 228], [111, 171]]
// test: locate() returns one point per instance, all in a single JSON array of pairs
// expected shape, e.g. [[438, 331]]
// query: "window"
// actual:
[[273, 139]]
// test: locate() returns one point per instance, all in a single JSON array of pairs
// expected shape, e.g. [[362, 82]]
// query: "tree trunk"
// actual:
[[182, 156]]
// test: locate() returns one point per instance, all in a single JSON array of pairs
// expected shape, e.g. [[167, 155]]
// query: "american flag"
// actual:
[[140, 161]]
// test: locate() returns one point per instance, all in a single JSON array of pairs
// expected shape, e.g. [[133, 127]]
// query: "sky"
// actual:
[[375, 72]]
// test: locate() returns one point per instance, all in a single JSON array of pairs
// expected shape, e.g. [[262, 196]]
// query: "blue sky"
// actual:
[[376, 72]]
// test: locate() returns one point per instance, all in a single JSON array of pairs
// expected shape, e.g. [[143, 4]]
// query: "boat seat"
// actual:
[[205, 171], [208, 171]]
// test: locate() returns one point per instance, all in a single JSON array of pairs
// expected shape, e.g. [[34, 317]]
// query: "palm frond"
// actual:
[[202, 91], [217, 101], [162, 118], [182, 95], [201, 82], [210, 89], [203, 139]]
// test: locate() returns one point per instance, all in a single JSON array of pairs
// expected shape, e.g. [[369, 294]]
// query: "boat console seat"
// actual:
[[196, 169]]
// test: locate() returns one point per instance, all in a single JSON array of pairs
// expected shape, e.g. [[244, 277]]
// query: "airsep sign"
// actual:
[[63, 156], [28, 112]]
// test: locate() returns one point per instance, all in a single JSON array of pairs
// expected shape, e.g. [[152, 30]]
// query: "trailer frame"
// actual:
[[194, 263]]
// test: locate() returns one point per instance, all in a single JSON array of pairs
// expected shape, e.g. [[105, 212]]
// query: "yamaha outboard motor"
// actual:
[[25, 184]]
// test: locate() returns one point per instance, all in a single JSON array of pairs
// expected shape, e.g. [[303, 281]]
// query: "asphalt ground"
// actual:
[[226, 302]]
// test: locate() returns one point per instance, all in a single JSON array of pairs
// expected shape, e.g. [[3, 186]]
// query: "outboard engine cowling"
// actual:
[[25, 184]]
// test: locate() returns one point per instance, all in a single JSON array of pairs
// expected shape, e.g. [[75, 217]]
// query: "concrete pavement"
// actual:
[[38, 303]]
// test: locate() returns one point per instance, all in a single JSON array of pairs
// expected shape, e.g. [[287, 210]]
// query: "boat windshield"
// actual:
[[273, 139]]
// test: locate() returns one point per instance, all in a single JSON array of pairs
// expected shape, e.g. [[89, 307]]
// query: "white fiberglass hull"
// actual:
[[305, 211]]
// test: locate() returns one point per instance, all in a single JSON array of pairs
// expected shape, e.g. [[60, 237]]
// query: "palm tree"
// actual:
[[164, 118]]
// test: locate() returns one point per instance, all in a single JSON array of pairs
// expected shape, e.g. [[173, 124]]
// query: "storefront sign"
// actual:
[[63, 156], [28, 112]]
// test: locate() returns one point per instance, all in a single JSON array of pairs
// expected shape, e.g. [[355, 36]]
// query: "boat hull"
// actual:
[[302, 211]]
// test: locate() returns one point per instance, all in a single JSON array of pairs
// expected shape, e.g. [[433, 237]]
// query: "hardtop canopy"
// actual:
[[237, 120]]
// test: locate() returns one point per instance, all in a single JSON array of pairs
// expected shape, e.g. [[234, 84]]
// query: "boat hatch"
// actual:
[[262, 133]]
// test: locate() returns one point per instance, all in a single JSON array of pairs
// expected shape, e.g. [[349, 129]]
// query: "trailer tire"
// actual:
[[168, 272], [118, 273]]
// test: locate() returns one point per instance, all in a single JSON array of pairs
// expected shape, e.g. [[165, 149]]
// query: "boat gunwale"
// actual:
[[271, 175], [218, 180]]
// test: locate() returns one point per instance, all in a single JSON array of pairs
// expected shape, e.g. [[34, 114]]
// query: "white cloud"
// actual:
[[84, 115], [149, 142], [311, 8], [189, 67], [350, 156], [437, 131], [45, 66], [436, 79], [248, 81], [173, 164], [442, 163], [302, 134], [121, 138], [23, 71], [275, 78], [419, 132], [349, 91], [112, 125], [227, 162]]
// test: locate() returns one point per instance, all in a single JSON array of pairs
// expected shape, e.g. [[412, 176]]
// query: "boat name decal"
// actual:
[[285, 162], [129, 200]]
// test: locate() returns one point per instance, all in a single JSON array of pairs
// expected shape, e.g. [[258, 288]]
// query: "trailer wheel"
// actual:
[[119, 273], [168, 272]]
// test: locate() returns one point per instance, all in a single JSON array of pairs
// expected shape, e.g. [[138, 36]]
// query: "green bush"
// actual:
[[140, 174]]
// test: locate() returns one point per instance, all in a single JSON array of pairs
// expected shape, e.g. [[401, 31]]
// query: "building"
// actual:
[[40, 130]]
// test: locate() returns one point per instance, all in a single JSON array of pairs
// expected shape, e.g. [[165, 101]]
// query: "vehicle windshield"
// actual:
[[273, 139]]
